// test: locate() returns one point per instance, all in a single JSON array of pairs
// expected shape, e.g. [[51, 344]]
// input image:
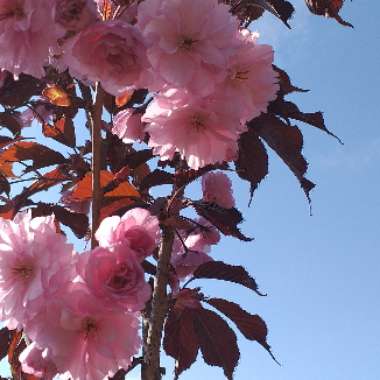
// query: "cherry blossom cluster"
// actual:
[[206, 76], [81, 311]]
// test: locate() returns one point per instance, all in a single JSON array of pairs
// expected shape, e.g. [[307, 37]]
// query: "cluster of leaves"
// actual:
[[127, 177]]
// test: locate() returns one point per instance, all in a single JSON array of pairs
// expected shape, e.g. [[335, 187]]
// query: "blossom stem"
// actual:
[[96, 126]]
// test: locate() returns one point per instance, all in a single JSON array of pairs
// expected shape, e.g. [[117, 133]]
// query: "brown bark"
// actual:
[[151, 369], [96, 126]]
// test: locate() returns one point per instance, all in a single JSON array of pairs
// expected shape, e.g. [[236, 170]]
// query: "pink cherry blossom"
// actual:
[[34, 262], [190, 41], [186, 263], [128, 127], [203, 130], [137, 227], [203, 237], [27, 33], [251, 82], [75, 15], [36, 362], [82, 339], [116, 276], [111, 52], [217, 188]]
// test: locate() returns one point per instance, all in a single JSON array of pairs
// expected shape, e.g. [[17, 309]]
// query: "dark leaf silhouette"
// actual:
[[252, 163], [251, 326], [329, 8], [156, 178], [180, 340], [219, 270], [11, 122], [217, 341], [225, 220], [286, 86], [287, 142], [5, 339], [289, 110]]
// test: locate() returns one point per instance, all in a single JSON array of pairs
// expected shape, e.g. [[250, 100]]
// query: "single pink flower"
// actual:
[[36, 362], [190, 42], [203, 130], [217, 188], [137, 227], [202, 238], [35, 261], [128, 127], [115, 275], [251, 82], [85, 340], [75, 15], [111, 52], [27, 33]]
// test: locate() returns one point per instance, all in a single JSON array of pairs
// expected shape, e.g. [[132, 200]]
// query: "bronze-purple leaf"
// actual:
[[328, 8], [218, 270], [5, 339], [287, 142], [225, 220], [217, 341], [252, 162], [251, 326], [180, 341], [156, 178], [286, 86]]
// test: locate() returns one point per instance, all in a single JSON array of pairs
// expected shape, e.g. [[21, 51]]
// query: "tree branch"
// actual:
[[151, 369], [96, 127]]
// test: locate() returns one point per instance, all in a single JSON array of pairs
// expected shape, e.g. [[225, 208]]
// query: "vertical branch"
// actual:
[[151, 369], [96, 127]]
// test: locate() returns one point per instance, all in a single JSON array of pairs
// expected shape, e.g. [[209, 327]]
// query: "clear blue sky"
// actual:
[[321, 273]]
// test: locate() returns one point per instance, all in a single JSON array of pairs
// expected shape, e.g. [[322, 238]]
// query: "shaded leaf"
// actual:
[[217, 341], [287, 142], [11, 122], [218, 270], [5, 187], [225, 220], [289, 110], [62, 131], [180, 340], [252, 162], [328, 8], [286, 86], [251, 326], [48, 180], [5, 339], [156, 178], [57, 95], [15, 93]]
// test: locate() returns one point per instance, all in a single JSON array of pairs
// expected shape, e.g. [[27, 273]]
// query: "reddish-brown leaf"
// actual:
[[251, 326], [252, 162], [217, 341], [57, 95], [287, 142], [286, 86], [180, 340], [218, 270], [62, 131], [5, 339], [15, 93], [11, 122], [52, 178], [328, 8], [41, 155], [225, 220], [156, 178], [289, 110]]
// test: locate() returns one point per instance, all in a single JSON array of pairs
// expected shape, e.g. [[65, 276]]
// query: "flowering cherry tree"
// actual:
[[174, 92]]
